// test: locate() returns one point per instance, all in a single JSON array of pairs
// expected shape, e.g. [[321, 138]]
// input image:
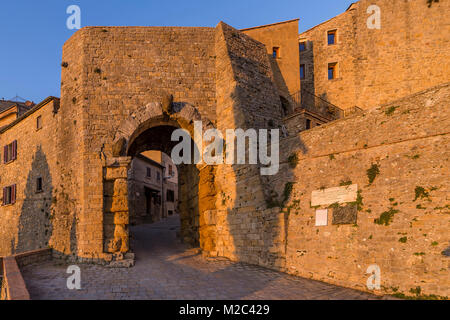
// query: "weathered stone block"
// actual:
[[121, 217], [113, 173], [119, 203]]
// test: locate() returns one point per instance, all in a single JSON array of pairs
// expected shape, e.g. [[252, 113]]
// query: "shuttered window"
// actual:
[[10, 152], [9, 195]]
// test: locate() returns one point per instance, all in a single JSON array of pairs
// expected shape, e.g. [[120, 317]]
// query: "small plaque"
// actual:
[[345, 215], [321, 217], [334, 195]]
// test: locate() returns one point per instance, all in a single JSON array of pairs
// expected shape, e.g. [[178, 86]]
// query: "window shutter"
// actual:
[[13, 194], [14, 150], [4, 196], [5, 154]]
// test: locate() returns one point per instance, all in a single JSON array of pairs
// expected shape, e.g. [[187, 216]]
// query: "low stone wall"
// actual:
[[30, 257], [13, 286]]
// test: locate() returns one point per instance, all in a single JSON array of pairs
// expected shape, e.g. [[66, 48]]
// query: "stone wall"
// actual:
[[378, 66], [116, 71], [246, 98], [402, 205], [283, 35], [30, 223]]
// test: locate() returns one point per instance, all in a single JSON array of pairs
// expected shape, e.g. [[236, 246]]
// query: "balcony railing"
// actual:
[[305, 100]]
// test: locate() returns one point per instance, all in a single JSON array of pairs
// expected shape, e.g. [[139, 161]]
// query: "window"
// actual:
[[170, 196], [302, 71], [332, 37], [276, 52], [39, 123], [332, 70], [308, 124], [39, 185], [10, 152], [302, 46], [149, 172], [9, 195], [170, 170], [158, 176]]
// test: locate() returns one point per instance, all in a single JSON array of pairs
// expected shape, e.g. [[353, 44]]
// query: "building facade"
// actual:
[[153, 188], [376, 52], [145, 191], [170, 185], [11, 110]]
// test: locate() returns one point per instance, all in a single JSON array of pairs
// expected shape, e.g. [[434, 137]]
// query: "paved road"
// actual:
[[166, 269]]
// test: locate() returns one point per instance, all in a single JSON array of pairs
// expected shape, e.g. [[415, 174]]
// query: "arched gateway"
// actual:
[[116, 88], [150, 128]]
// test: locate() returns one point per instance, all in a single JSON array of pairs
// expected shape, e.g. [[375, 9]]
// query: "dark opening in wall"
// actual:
[[39, 187], [170, 196]]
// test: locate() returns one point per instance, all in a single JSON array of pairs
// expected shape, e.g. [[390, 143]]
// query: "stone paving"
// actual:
[[167, 269]]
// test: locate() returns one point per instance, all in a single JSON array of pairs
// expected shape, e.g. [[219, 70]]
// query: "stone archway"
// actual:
[[149, 128]]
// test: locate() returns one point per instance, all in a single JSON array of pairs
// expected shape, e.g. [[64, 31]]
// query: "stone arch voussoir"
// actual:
[[184, 114]]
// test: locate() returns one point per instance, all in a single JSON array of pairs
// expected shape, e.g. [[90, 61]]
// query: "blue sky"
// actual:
[[32, 32]]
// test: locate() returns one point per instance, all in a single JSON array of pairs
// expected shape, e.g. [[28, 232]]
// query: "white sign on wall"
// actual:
[[334, 195], [321, 217]]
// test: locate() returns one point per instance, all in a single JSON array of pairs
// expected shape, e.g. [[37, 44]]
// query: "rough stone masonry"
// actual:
[[390, 162]]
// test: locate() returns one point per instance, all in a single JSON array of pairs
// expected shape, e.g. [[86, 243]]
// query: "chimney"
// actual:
[[29, 103]]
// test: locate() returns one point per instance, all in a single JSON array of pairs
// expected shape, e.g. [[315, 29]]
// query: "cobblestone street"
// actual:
[[166, 269]]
